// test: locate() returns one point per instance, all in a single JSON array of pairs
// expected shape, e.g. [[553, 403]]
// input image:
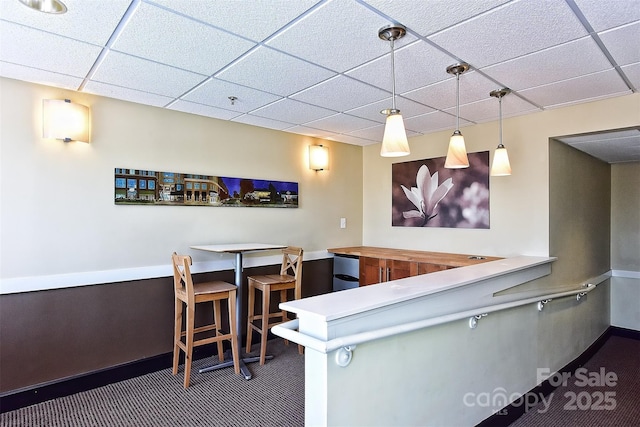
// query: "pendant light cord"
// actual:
[[500, 102], [393, 77], [457, 101]]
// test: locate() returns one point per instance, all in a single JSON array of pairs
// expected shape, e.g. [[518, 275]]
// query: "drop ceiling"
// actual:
[[318, 68]]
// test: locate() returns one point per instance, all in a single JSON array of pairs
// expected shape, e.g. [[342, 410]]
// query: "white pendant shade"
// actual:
[[65, 120], [500, 165], [394, 142], [457, 152]]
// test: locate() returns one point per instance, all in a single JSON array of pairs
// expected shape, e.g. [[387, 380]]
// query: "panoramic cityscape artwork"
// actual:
[[425, 194], [135, 186]]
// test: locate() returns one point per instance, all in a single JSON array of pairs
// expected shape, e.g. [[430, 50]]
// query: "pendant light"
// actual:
[[500, 165], [394, 141], [457, 152]]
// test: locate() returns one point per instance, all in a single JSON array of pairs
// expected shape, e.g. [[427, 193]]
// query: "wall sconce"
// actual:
[[318, 157], [457, 152], [65, 120], [500, 165]]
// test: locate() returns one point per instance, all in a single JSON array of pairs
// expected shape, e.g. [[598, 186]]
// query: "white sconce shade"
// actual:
[[457, 152], [500, 165], [394, 141], [65, 120], [318, 157]]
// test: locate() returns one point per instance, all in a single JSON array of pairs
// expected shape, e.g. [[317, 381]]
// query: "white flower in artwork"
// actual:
[[426, 195]]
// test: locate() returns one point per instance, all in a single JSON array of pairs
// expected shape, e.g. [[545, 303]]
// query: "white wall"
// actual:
[[519, 203], [59, 223], [625, 245]]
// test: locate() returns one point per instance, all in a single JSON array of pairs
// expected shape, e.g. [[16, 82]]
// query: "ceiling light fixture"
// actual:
[[500, 165], [457, 152], [394, 141], [46, 6]]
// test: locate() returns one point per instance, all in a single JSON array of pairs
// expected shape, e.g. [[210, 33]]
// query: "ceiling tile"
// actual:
[[255, 20], [428, 17], [612, 151], [340, 93], [145, 75], [350, 139], [192, 46], [434, 121], [310, 131], [274, 72], [216, 93], [126, 94], [603, 15], [601, 136], [38, 49], [512, 30], [80, 22], [341, 123], [416, 65], [203, 110], [632, 72], [580, 89], [623, 43], [34, 75], [561, 62], [291, 111], [320, 37], [407, 107], [326, 59], [261, 122], [473, 87], [489, 109]]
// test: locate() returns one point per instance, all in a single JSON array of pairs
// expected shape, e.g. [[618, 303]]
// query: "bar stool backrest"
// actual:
[[292, 266]]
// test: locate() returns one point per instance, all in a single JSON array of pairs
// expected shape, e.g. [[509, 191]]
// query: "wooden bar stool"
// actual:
[[290, 277], [189, 294]]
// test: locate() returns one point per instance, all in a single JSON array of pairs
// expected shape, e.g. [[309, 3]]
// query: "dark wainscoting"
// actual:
[[62, 341]]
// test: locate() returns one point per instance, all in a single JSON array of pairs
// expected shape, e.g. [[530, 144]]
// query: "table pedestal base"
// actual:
[[244, 370]]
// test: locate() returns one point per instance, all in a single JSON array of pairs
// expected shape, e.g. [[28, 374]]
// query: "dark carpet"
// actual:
[[605, 392], [273, 397]]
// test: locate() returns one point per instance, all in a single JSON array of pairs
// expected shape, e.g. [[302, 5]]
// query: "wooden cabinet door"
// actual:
[[424, 268], [399, 269], [371, 271]]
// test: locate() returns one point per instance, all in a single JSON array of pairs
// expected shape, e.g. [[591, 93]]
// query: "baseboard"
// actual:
[[511, 413], [624, 332], [17, 399]]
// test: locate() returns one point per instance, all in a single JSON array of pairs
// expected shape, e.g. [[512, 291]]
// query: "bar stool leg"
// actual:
[[266, 300], [217, 319], [177, 333], [250, 317]]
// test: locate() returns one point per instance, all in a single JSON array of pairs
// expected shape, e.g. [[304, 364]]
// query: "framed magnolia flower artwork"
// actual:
[[425, 194]]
